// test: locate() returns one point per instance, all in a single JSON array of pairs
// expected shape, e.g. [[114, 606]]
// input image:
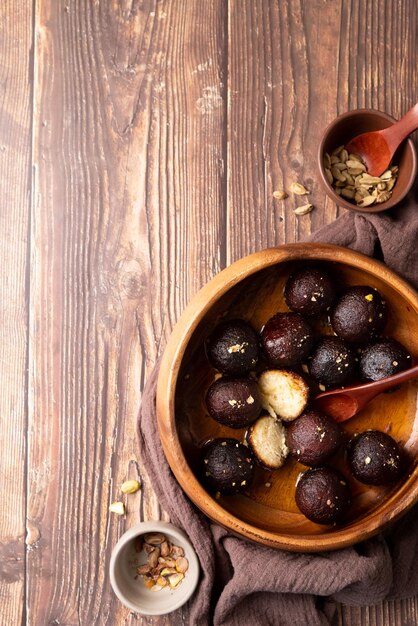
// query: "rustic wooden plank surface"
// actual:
[[15, 175], [159, 131], [128, 203]]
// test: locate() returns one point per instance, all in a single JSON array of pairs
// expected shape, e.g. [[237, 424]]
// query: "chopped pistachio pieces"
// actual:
[[166, 564], [118, 508]]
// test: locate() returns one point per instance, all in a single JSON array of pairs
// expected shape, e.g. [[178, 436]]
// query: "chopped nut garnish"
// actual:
[[166, 564], [154, 539], [182, 564], [118, 508], [238, 347], [177, 551], [367, 460], [175, 579]]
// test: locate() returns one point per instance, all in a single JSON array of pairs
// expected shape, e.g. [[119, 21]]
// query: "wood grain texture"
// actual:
[[277, 109], [15, 148], [160, 129], [128, 199]]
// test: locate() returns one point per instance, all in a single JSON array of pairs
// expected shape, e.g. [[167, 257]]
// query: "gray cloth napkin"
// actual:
[[244, 584]]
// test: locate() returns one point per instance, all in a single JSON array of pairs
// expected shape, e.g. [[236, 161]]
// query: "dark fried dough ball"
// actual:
[[313, 437], [287, 339], [310, 291], [233, 347], [323, 496], [234, 402], [332, 362], [374, 458], [359, 314], [383, 358], [228, 466]]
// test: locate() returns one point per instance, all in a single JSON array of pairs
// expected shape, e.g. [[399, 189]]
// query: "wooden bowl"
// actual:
[[353, 123], [252, 288]]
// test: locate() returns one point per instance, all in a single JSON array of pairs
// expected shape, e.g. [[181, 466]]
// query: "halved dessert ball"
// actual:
[[323, 496], [374, 458], [234, 402], [233, 347], [267, 439], [287, 339], [332, 362], [359, 314], [384, 358], [284, 394], [310, 291], [313, 437], [228, 466]]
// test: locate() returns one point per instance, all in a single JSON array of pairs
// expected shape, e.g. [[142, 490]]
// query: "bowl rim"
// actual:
[[342, 202], [395, 505], [140, 529]]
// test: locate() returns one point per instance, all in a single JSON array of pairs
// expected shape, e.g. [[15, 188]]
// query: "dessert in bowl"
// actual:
[[265, 510]]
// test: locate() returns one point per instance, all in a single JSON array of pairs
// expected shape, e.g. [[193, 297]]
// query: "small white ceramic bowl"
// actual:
[[130, 588]]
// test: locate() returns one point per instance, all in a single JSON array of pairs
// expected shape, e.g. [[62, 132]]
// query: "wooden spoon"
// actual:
[[377, 148], [342, 404]]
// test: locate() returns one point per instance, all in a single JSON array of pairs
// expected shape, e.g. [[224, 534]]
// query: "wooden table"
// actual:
[[140, 145]]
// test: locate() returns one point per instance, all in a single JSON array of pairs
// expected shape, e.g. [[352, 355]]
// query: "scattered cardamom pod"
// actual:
[[367, 201], [337, 151], [298, 189], [383, 196], [348, 176], [328, 174], [130, 486], [279, 195], [304, 209], [356, 165], [386, 175]]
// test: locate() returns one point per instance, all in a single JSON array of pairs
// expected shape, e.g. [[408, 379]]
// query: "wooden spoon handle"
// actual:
[[396, 133]]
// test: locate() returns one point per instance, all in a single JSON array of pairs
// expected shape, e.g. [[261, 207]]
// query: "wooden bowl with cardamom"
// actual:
[[347, 126], [252, 289]]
